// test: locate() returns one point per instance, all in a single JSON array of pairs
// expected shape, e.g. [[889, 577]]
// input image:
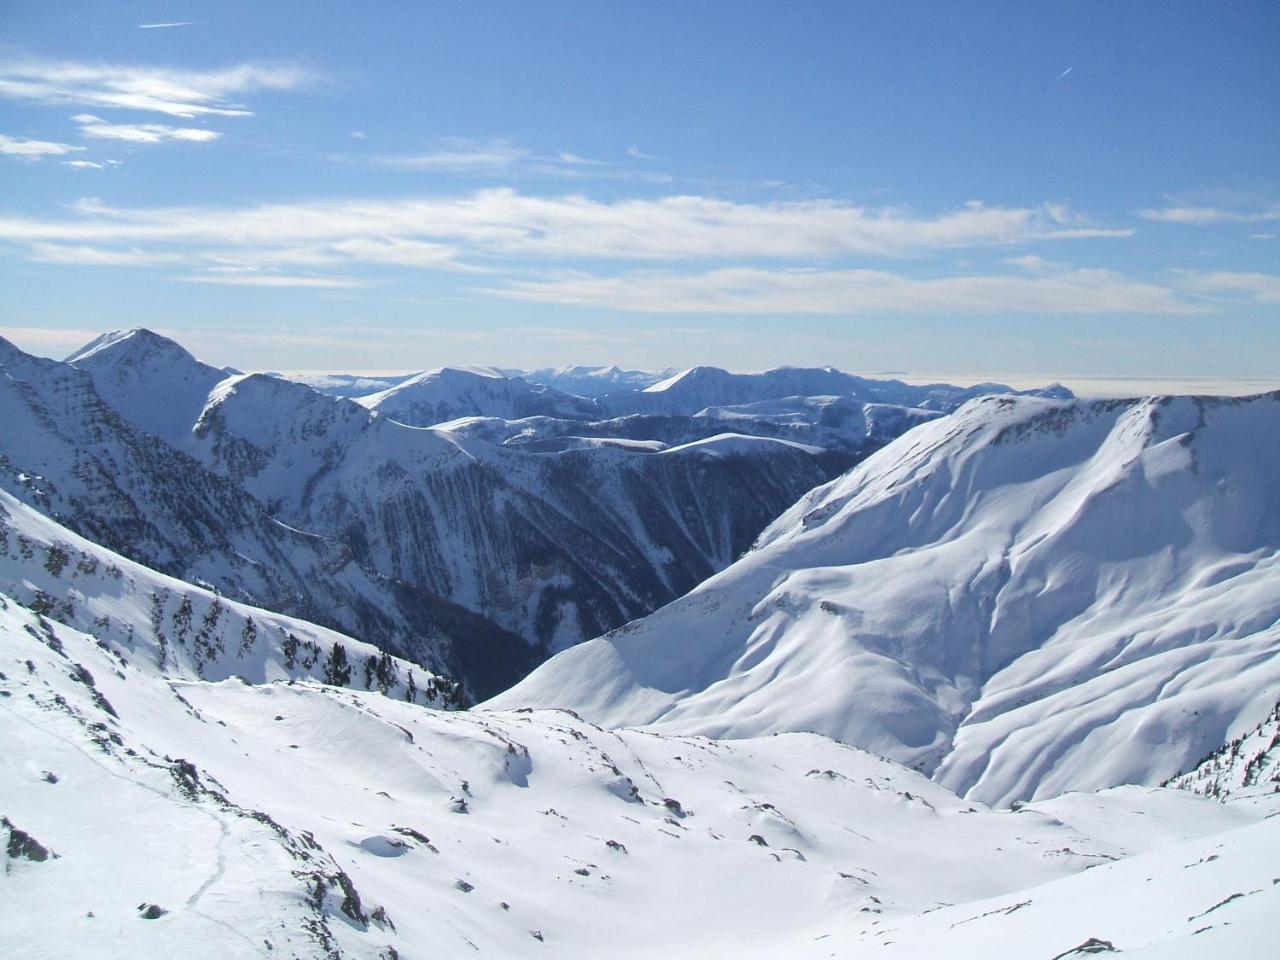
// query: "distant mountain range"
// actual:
[[468, 520]]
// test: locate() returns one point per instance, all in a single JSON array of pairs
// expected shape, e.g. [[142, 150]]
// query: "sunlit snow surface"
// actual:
[[1027, 597], [329, 822]]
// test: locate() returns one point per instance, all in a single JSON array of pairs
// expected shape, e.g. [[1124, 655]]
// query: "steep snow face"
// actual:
[[447, 394], [153, 382], [164, 816], [169, 627], [1027, 597]]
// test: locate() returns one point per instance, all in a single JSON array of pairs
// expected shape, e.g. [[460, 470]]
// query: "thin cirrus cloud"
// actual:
[[494, 157], [503, 221], [1203, 216], [499, 158], [1256, 287], [502, 228], [99, 129], [176, 93], [272, 280], [34, 149], [747, 290]]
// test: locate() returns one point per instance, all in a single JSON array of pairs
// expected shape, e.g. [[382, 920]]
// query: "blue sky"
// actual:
[[1029, 189]]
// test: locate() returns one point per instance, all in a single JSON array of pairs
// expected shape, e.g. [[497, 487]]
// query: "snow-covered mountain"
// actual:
[[837, 424], [446, 394], [344, 384], [1027, 597], [586, 381], [175, 629], [152, 815], [71, 455], [322, 509], [698, 388]]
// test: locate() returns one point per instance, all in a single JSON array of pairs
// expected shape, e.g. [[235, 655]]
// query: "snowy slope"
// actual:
[[173, 628], [446, 394], [153, 816], [1027, 597], [1245, 768]]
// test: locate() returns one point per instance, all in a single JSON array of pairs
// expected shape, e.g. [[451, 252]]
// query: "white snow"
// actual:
[[1025, 598], [302, 820]]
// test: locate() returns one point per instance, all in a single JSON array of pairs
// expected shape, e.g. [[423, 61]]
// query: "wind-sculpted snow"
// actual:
[[151, 816], [1027, 597]]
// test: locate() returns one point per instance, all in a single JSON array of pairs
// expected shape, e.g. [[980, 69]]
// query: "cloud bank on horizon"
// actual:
[[456, 179]]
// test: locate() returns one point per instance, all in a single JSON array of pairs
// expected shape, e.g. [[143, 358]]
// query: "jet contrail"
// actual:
[[161, 26], [1065, 72]]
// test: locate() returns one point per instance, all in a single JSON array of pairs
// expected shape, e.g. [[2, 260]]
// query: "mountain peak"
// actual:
[[133, 369], [133, 342]]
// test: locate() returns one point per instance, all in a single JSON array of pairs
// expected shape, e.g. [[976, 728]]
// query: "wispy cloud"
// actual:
[[1257, 287], [175, 93], [272, 280], [494, 229], [742, 290], [504, 160], [101, 257], [84, 164], [99, 129], [1202, 216], [639, 154], [34, 149], [459, 157], [503, 222]]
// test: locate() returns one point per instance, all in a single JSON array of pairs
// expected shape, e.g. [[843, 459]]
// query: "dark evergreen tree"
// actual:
[[337, 669]]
